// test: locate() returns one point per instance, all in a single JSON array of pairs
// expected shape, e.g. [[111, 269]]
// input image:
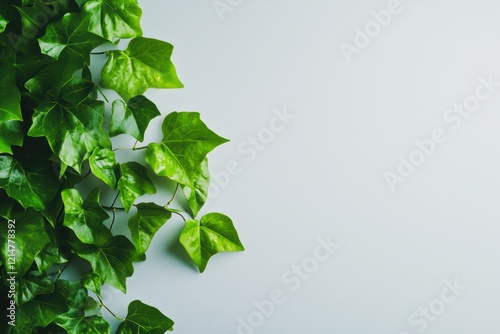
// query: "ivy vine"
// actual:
[[54, 144]]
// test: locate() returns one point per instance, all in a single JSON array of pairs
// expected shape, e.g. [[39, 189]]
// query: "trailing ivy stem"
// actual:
[[107, 308], [113, 210], [133, 148], [64, 268], [99, 53], [177, 213], [139, 148], [173, 197]]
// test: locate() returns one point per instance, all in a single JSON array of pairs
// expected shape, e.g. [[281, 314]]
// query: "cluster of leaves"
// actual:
[[53, 141]]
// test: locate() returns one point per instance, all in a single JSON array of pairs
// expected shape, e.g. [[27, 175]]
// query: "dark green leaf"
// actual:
[[50, 254], [132, 118], [85, 218], [27, 225], [145, 223], [114, 19], [197, 196], [75, 321], [28, 65], [33, 284], [134, 182], [215, 233], [145, 64], [186, 143], [12, 135], [103, 165], [10, 103], [144, 319], [41, 311], [111, 261], [72, 132], [70, 33], [32, 185], [56, 75]]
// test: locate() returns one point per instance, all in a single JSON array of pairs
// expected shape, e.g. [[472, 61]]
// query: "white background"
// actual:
[[324, 174]]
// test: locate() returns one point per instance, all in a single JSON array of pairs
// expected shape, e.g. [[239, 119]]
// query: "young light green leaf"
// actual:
[[103, 165], [145, 223], [75, 321], [186, 143], [114, 19], [40, 311], [72, 132], [33, 284], [85, 218], [134, 182], [144, 64], [3, 23], [111, 261], [144, 319], [133, 117], [32, 185], [197, 196], [12, 135], [27, 225], [93, 282], [71, 34], [215, 233]]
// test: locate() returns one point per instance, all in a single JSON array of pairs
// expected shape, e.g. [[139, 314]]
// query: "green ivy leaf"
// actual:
[[132, 118], [134, 182], [3, 23], [10, 98], [50, 254], [186, 143], [103, 165], [56, 75], [71, 34], [93, 282], [144, 64], [41, 311], [144, 319], [10, 107], [215, 233], [145, 223], [114, 19], [32, 185], [197, 196], [111, 261], [12, 135], [28, 224], [33, 284], [72, 132], [75, 321], [85, 218]]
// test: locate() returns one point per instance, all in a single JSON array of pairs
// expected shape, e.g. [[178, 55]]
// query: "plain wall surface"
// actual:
[[422, 258]]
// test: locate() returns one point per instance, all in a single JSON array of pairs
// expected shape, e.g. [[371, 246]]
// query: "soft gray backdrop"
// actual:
[[422, 258]]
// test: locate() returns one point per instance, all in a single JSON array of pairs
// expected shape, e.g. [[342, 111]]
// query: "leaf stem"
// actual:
[[177, 213], [107, 308], [173, 197], [113, 210], [99, 53], [133, 148], [64, 268]]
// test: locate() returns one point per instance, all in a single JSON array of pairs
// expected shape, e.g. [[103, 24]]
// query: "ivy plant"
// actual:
[[58, 154]]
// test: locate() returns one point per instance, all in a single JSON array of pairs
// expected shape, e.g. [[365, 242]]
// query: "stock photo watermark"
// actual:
[[292, 278], [421, 319], [225, 6], [364, 36], [453, 117], [249, 149], [11, 272]]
